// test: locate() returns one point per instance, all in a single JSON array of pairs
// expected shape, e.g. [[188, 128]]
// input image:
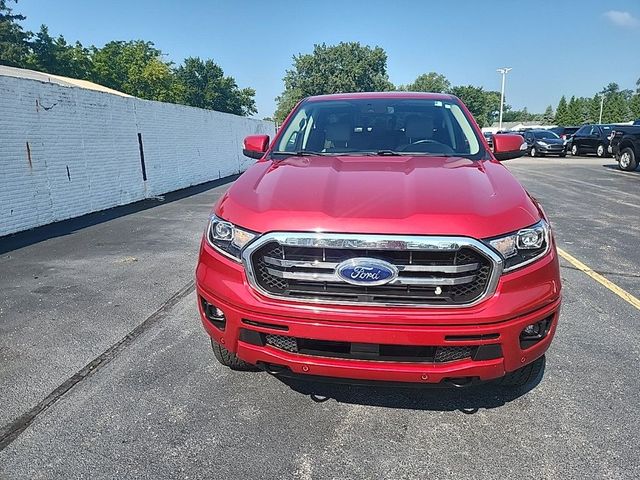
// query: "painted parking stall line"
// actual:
[[622, 293]]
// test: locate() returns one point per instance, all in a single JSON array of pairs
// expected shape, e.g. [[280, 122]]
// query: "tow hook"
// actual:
[[459, 382]]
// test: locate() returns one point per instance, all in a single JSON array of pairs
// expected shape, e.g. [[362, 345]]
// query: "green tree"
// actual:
[[14, 41], [75, 60], [56, 56], [562, 112], [135, 67], [481, 103], [346, 67], [593, 109], [574, 114], [548, 116], [285, 103], [616, 104], [510, 115], [634, 106], [493, 107], [429, 82], [587, 110], [43, 51], [526, 116], [205, 86], [518, 115]]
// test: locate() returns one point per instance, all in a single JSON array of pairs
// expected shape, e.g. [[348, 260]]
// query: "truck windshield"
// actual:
[[383, 126]]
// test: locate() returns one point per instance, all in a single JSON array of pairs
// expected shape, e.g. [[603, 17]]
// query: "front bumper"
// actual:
[[523, 297], [552, 150]]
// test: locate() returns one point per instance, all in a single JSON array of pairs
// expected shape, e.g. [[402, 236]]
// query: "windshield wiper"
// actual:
[[300, 153], [393, 153], [390, 153]]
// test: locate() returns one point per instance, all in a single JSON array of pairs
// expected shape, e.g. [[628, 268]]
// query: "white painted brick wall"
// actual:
[[95, 136]]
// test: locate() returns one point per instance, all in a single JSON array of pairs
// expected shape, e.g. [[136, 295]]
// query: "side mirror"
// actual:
[[254, 146], [506, 146]]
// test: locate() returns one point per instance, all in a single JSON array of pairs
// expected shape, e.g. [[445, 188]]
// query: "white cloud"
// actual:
[[622, 19]]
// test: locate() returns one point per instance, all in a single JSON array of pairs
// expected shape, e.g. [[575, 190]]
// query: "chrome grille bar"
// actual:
[[332, 277], [469, 267], [308, 276], [300, 263]]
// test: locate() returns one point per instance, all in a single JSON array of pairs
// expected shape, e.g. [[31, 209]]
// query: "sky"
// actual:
[[554, 47]]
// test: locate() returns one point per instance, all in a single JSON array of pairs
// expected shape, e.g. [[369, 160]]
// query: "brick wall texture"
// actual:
[[67, 151]]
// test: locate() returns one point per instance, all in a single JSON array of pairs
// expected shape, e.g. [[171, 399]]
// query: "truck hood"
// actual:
[[413, 195]]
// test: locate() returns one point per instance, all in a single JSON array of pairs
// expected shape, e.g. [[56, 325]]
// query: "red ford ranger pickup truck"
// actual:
[[378, 238]]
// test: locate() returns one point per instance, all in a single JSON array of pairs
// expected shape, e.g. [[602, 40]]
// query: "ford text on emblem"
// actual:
[[366, 271]]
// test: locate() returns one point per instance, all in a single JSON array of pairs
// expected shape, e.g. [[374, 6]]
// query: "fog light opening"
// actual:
[[213, 314], [533, 333]]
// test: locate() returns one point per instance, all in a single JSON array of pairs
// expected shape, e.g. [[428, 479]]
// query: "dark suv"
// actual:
[[544, 142], [592, 139], [565, 133]]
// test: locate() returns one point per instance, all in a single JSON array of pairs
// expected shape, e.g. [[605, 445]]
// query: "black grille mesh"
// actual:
[[442, 354], [450, 354], [270, 282], [468, 291], [283, 342]]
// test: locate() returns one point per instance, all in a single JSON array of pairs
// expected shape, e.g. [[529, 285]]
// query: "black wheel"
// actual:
[[562, 155], [575, 151], [601, 151], [627, 161], [533, 152], [523, 375], [228, 359]]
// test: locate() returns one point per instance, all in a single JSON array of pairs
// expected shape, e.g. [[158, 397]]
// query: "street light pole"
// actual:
[[601, 106], [504, 72]]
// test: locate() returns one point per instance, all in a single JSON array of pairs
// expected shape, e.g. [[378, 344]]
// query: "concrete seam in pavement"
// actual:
[[12, 430]]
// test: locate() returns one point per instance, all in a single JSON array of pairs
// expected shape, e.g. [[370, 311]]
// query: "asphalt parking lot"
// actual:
[[118, 288]]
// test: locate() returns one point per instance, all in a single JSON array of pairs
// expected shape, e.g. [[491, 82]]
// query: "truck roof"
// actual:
[[350, 96]]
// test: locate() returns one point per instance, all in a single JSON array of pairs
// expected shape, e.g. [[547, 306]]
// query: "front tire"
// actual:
[[562, 155], [533, 152], [524, 375], [228, 359], [627, 161], [600, 151], [575, 151]]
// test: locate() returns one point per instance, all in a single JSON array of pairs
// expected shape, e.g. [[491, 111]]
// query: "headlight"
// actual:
[[227, 238], [544, 144], [524, 246]]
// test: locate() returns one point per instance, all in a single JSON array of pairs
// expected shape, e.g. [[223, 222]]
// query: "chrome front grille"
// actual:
[[432, 271]]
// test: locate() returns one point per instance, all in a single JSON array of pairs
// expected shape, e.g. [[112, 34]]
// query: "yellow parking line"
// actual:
[[600, 279]]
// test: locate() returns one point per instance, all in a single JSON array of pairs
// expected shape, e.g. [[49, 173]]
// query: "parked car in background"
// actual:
[[637, 122], [565, 133], [544, 142], [591, 139], [625, 146], [489, 137]]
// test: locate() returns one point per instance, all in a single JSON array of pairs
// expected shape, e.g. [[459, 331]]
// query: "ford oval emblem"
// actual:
[[366, 271]]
